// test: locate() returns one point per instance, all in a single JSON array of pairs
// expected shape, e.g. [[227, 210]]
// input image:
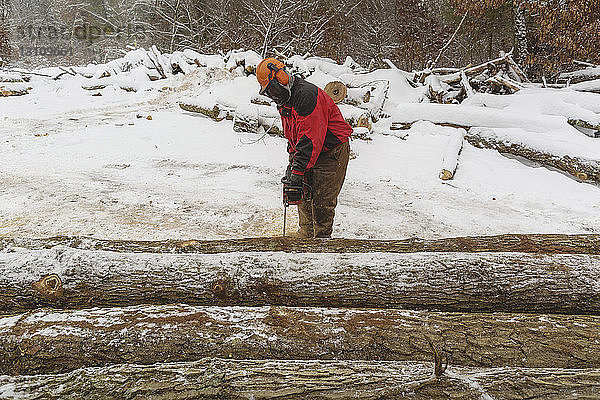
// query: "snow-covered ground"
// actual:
[[75, 164]]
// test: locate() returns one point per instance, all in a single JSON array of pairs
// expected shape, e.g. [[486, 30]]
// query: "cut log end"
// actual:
[[446, 175], [336, 90]]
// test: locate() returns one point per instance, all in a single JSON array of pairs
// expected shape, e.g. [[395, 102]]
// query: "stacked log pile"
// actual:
[[493, 87], [511, 316], [491, 126]]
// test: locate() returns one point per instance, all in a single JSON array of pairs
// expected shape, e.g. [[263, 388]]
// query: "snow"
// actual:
[[480, 116], [76, 164]]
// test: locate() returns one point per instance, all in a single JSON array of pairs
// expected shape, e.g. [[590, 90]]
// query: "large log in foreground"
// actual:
[[55, 342], [470, 282], [524, 243], [276, 379]]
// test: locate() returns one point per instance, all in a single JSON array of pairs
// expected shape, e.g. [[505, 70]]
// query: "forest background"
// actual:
[[546, 35]]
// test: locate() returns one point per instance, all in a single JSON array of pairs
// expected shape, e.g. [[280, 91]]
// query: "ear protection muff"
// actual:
[[278, 73]]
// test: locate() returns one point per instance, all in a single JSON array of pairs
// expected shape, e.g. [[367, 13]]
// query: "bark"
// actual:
[[276, 379], [584, 169], [524, 243], [584, 124], [217, 112], [56, 342], [510, 282], [520, 13]]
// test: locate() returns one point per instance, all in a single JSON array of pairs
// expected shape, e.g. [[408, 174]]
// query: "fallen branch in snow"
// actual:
[[500, 282], [532, 243], [273, 379], [55, 342]]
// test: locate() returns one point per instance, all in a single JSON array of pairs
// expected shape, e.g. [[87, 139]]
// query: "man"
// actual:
[[318, 144]]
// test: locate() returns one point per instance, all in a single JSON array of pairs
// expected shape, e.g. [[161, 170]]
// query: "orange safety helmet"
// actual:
[[269, 69]]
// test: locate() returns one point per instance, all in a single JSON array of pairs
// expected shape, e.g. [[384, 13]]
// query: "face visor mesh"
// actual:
[[276, 91]]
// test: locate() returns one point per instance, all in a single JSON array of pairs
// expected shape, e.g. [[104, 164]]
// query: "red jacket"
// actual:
[[312, 123]]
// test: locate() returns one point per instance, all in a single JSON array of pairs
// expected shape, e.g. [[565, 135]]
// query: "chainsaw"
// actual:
[[294, 195]]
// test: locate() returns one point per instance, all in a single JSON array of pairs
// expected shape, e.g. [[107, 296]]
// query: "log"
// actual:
[[358, 97], [583, 75], [336, 90], [584, 169], [505, 83], [451, 153], [592, 86], [217, 378], [13, 89], [218, 112], [245, 119], [509, 282], [523, 243], [476, 70], [584, 124], [45, 341]]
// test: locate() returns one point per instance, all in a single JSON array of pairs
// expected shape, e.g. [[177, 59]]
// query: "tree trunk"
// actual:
[[520, 14], [483, 282], [276, 379], [56, 342], [525, 243]]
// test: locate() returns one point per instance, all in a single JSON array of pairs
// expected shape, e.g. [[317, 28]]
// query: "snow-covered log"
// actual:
[[247, 59], [523, 243], [492, 65], [580, 109], [245, 119], [12, 77], [581, 168], [587, 86], [55, 342], [358, 97], [356, 117], [179, 63], [13, 89], [583, 75], [216, 111], [451, 153], [510, 282], [314, 379], [467, 116]]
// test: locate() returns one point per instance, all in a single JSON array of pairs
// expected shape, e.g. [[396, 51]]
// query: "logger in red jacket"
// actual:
[[318, 143]]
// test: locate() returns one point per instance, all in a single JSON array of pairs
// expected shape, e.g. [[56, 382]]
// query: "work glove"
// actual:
[[288, 174], [296, 180]]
